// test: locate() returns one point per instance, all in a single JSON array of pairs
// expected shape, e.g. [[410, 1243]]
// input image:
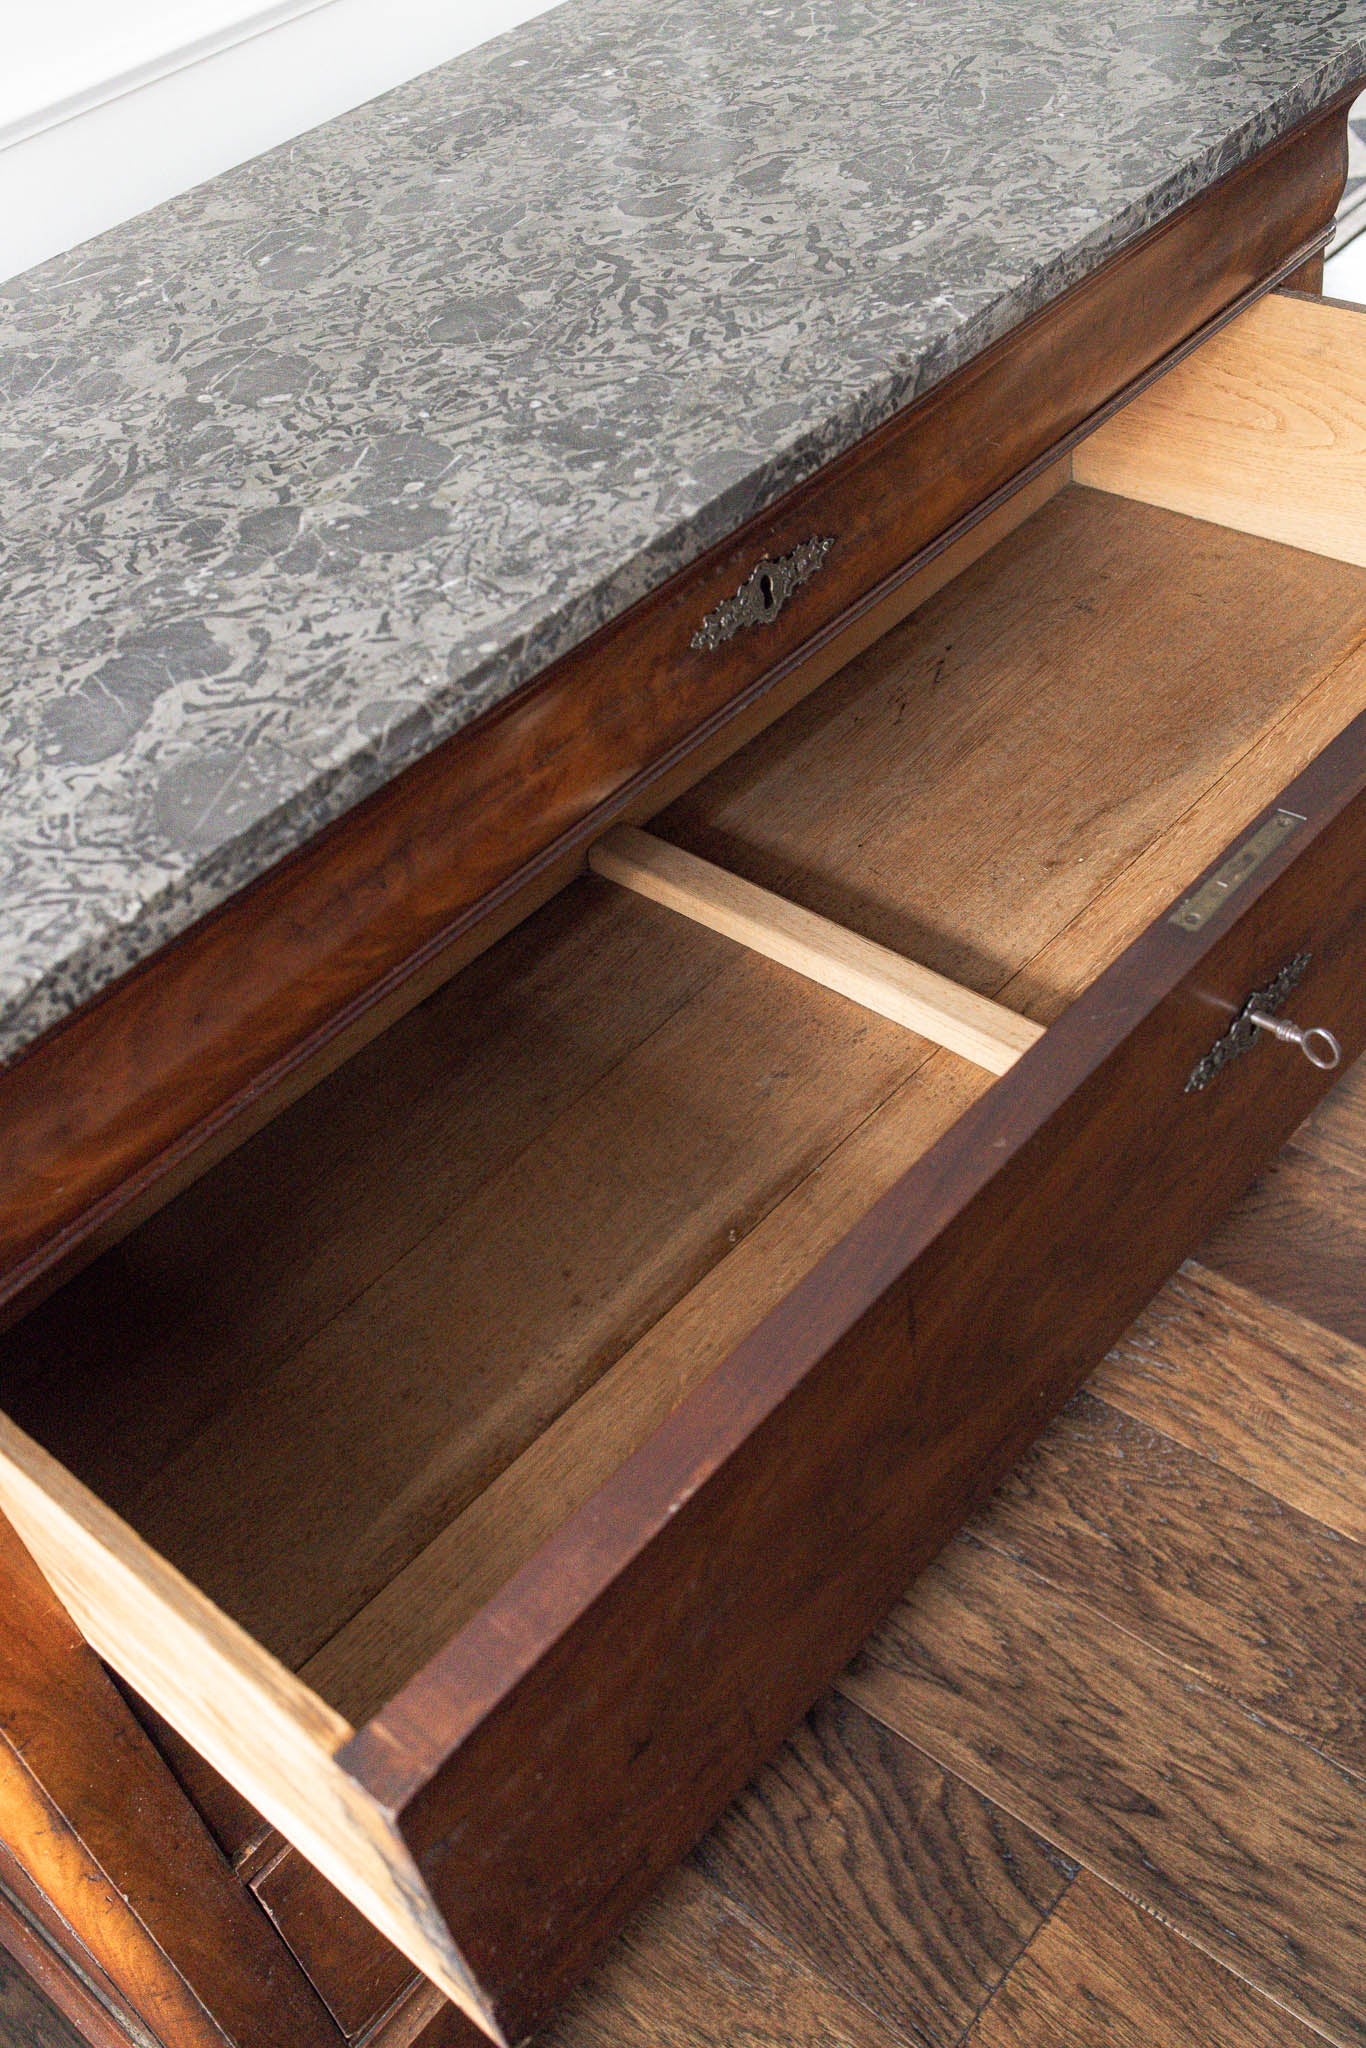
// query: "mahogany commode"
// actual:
[[561, 1650]]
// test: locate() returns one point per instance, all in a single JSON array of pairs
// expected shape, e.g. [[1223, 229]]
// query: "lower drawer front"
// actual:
[[673, 1631]]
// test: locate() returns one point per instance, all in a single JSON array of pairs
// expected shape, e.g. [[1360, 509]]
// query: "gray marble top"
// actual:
[[303, 471]]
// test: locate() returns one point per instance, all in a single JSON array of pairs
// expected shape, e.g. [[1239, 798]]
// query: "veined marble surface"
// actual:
[[305, 470]]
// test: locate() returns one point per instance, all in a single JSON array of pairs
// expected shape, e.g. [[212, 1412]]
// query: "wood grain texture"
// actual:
[[1233, 1128], [1336, 1132], [896, 1882], [1300, 1240], [999, 764], [254, 993], [784, 1983], [1255, 1598], [371, 1165], [1321, 899], [830, 1843], [891, 1878], [423, 2020], [446, 1584], [231, 1819], [250, 1264], [1308, 278], [1247, 1841], [1263, 429], [204, 1304], [353, 1969], [922, 802], [269, 1736], [789, 686], [877, 979], [692, 1971], [1265, 1393], [117, 1854], [1340, 879], [29, 2020], [496, 1322], [56, 1980], [706, 1587], [1103, 1974]]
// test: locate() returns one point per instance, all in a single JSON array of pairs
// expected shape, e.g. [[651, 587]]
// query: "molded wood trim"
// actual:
[[268, 1734], [108, 1863]]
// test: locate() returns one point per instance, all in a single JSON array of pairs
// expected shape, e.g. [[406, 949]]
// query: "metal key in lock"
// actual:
[[1317, 1044], [1257, 1015]]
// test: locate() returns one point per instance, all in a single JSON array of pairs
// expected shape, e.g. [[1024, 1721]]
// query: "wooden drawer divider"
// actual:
[[941, 1010]]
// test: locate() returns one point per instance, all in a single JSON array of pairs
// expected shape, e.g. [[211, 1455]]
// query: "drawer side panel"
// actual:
[[267, 1734]]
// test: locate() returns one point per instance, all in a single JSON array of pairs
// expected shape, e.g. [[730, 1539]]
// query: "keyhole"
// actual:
[[766, 590]]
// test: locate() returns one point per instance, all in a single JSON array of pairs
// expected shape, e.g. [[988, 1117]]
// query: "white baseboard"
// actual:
[[95, 129]]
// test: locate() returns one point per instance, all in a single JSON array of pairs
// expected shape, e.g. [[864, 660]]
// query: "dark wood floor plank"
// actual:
[[894, 1880], [692, 1971], [1245, 1839], [1103, 1974], [1253, 1596], [1264, 1393], [1336, 1132], [1299, 1238]]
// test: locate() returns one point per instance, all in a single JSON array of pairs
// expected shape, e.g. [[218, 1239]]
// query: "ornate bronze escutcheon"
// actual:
[[763, 593]]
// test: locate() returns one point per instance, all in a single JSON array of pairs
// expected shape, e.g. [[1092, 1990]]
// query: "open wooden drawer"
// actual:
[[488, 1463]]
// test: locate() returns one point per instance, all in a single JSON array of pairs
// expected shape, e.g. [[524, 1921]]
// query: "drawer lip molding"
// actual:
[[135, 1931], [649, 1654], [189, 1053]]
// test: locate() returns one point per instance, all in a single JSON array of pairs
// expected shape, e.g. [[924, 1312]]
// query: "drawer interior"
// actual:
[[345, 1380]]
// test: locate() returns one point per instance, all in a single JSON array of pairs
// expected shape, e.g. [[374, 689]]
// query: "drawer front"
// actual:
[[356, 1973], [115, 1872], [190, 1041], [676, 1628]]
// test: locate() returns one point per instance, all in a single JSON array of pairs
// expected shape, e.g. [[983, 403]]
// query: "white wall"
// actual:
[[107, 106], [1344, 275]]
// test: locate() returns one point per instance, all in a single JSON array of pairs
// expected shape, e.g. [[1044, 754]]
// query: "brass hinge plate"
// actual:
[[1195, 912]]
